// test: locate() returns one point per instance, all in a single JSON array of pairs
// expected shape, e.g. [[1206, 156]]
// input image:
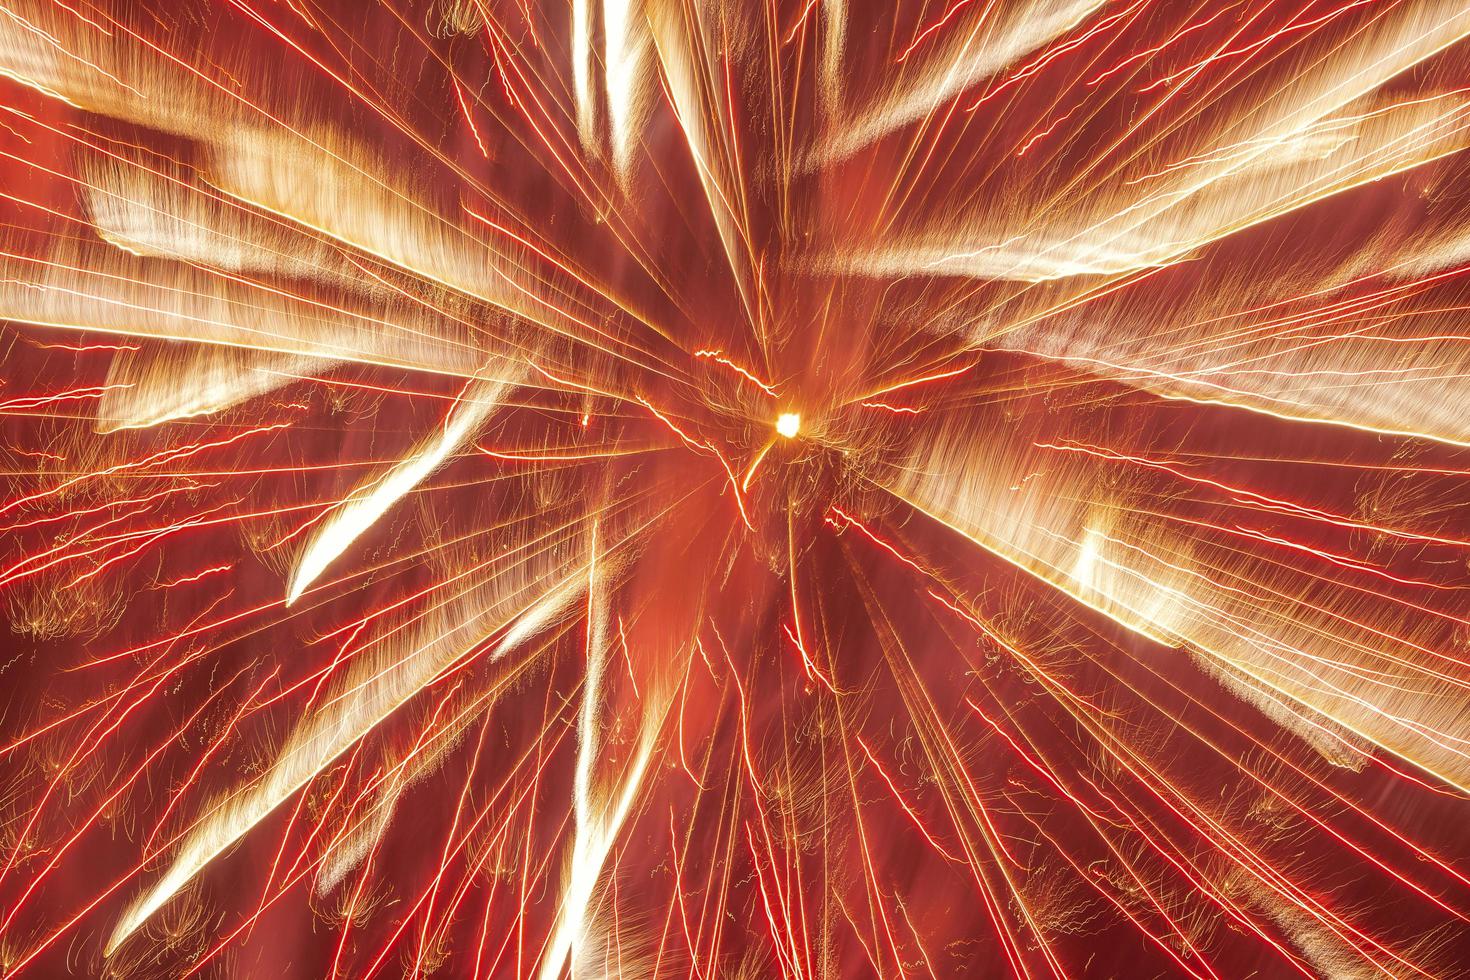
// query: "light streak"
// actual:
[[373, 499], [1089, 378], [719, 358]]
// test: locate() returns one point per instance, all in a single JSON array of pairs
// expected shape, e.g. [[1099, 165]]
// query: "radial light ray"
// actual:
[[703, 488]]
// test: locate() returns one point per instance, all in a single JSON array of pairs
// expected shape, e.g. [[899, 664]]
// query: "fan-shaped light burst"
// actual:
[[710, 488]]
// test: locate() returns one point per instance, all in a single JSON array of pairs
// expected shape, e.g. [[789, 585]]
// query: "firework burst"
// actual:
[[723, 488]]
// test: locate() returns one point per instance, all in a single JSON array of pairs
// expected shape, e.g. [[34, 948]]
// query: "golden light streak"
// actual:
[[752, 459], [374, 497]]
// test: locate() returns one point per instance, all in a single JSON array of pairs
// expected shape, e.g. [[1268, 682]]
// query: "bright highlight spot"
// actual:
[[788, 424]]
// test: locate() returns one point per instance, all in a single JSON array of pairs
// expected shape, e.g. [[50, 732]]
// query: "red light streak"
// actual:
[[1128, 333]]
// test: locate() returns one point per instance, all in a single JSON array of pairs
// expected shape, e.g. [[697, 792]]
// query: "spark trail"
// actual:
[[650, 488]]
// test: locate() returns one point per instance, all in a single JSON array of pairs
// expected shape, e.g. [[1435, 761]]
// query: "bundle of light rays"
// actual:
[[704, 488]]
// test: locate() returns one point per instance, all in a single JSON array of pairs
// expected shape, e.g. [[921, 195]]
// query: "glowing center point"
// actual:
[[788, 424]]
